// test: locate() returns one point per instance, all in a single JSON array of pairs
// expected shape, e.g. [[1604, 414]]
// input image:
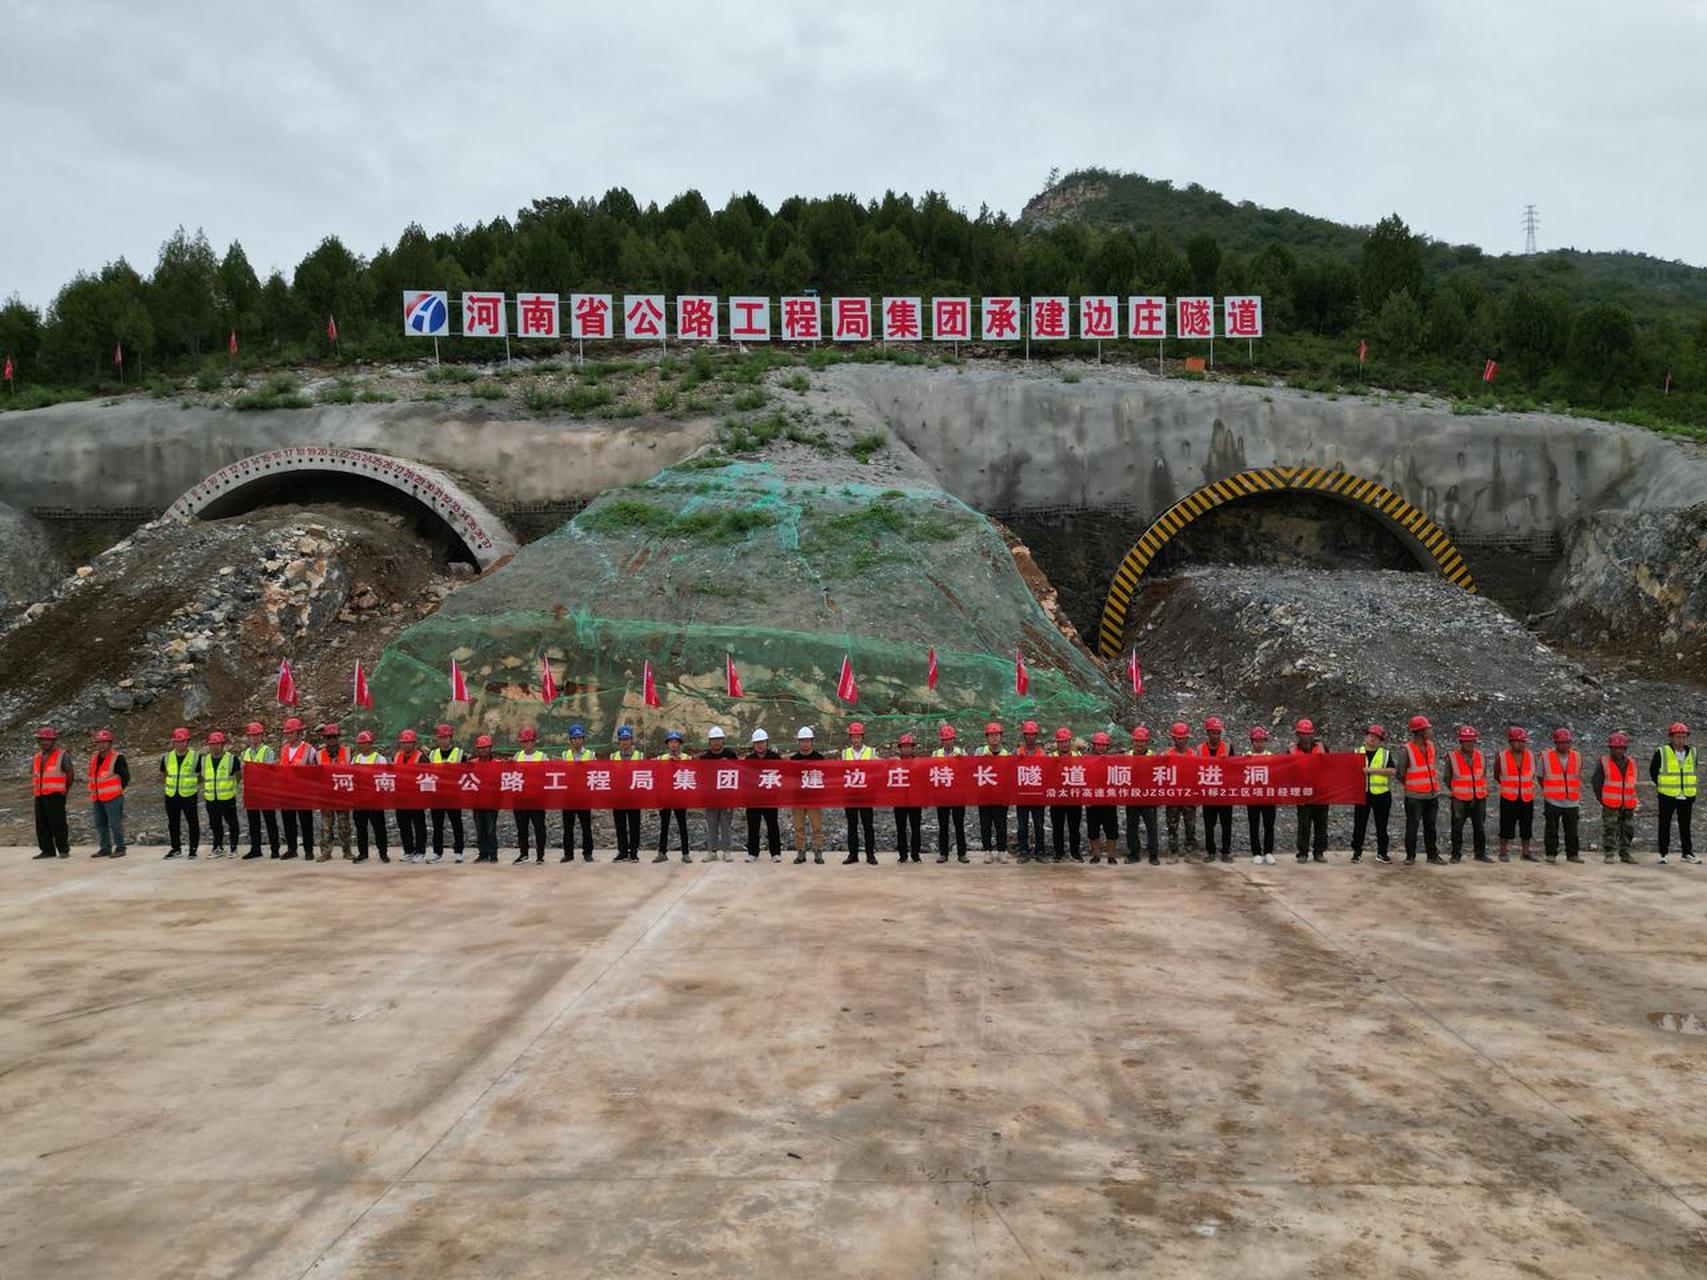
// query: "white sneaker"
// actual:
[[1001, 856], [1663, 860], [435, 857], [988, 856], [752, 857], [459, 857], [727, 856]]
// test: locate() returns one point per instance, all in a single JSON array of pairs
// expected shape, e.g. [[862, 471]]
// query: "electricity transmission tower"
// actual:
[[1531, 220]]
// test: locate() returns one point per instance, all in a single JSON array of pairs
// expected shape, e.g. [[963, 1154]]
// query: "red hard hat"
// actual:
[[180, 735], [293, 725], [1141, 734], [1561, 734], [856, 727], [1180, 729], [103, 735], [1467, 733], [1618, 739], [1678, 727], [946, 733], [444, 731], [1376, 731], [484, 740], [47, 733], [330, 730], [992, 727], [254, 727], [528, 735], [1063, 735], [1259, 733], [1517, 733], [1419, 723], [364, 738], [407, 736], [1030, 726], [1304, 726], [216, 739], [1213, 725], [905, 740], [1099, 739]]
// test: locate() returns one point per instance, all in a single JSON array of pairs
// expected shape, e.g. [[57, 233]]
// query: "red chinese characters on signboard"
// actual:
[[999, 319], [1099, 317], [850, 319], [1194, 317], [1147, 317], [951, 319], [1241, 316], [1049, 319], [589, 315], [643, 316], [536, 315], [902, 320], [696, 318], [483, 315], [802, 319], [750, 319]]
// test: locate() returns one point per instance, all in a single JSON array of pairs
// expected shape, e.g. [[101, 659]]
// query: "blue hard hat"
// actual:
[[625, 732], [577, 731], [674, 735]]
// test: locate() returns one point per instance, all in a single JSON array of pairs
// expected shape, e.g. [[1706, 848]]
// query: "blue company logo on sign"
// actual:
[[426, 314]]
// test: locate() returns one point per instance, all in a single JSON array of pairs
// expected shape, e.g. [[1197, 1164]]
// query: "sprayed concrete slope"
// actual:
[[257, 1070]]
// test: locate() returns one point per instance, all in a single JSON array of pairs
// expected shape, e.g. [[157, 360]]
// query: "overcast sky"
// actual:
[[277, 123]]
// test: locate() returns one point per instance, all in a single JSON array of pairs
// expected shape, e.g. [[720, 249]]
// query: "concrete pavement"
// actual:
[[257, 1069]]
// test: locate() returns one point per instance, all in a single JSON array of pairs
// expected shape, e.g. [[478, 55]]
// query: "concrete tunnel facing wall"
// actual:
[[246, 483], [1427, 541]]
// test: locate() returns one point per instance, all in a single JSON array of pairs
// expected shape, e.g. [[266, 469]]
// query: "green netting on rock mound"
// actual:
[[785, 576]]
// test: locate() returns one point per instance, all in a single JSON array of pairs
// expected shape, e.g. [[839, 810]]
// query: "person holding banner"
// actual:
[[1030, 815], [333, 752], [298, 822], [1312, 818], [1144, 813], [1065, 818], [1101, 820], [808, 823], [859, 819], [762, 815], [1177, 813], [530, 821], [1215, 816], [257, 752], [716, 820], [1260, 817], [369, 822], [672, 751], [577, 819], [411, 823], [485, 820], [445, 752], [993, 818], [946, 814], [907, 817], [627, 820]]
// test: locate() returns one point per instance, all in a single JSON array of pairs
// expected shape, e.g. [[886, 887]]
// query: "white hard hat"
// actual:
[[716, 731], [805, 731], [759, 735]]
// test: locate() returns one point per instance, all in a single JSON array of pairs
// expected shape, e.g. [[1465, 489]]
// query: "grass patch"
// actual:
[[1251, 380], [279, 391], [706, 462], [797, 382], [706, 525], [627, 409], [864, 447], [750, 399], [664, 399], [1466, 408], [549, 366], [488, 391], [452, 373], [161, 388], [340, 392], [1069, 377], [374, 395], [585, 399], [210, 379]]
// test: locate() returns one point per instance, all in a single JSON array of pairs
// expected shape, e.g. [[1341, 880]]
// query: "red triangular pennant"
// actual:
[[1022, 681], [287, 684], [649, 687], [846, 689], [1135, 674], [458, 687], [547, 684], [930, 669], [732, 676], [359, 695]]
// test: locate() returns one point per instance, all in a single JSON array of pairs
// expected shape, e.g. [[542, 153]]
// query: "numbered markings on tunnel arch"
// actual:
[[1426, 539]]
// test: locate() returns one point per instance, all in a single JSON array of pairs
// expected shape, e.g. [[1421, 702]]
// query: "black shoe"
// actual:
[[962, 858], [800, 857], [662, 857], [1023, 858], [287, 855], [1381, 856], [250, 857], [817, 857], [568, 857], [1410, 858], [1303, 857], [1077, 857], [100, 853], [1457, 857], [871, 859], [191, 855], [585, 857], [519, 858], [1226, 857], [118, 853], [383, 856], [1130, 858], [942, 857], [170, 853], [1436, 860], [915, 855], [1357, 855], [1573, 857], [360, 857], [688, 857], [1155, 861], [1481, 857], [851, 860], [40, 856]]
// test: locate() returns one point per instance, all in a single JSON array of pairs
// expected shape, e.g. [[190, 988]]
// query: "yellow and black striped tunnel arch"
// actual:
[[1427, 538]]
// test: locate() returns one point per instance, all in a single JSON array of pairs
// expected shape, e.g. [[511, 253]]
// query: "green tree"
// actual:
[[1113, 265], [1326, 295], [1204, 254], [1391, 260], [1448, 328], [20, 335], [331, 281], [1602, 351], [236, 290], [184, 292], [1400, 324], [1533, 331]]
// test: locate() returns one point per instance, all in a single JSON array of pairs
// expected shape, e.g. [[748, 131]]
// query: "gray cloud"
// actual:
[[277, 124]]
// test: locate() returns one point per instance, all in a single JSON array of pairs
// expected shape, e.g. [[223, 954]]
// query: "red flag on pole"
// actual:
[[359, 695], [118, 355], [846, 689], [9, 372], [1668, 376], [231, 343], [458, 687], [1362, 350], [930, 670], [287, 684], [1022, 681], [649, 687], [730, 675], [1489, 370], [1136, 675], [331, 329], [547, 684]]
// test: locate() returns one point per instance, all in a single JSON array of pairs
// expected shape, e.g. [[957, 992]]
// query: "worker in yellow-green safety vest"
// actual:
[[219, 793], [1674, 772], [578, 819], [181, 769]]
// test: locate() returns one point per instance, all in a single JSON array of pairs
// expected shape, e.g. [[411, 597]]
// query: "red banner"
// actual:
[[774, 782]]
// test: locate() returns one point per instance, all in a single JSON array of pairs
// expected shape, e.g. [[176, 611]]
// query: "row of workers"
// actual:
[[1466, 777]]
